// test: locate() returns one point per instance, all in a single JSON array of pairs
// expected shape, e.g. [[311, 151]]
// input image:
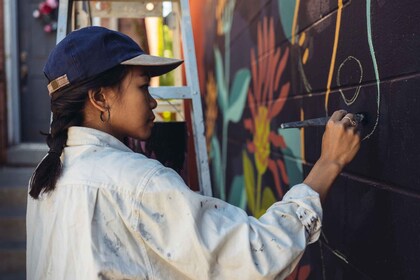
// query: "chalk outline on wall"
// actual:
[[356, 94], [372, 53], [375, 65]]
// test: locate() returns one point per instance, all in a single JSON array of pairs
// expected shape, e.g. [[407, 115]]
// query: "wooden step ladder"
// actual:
[[190, 91]]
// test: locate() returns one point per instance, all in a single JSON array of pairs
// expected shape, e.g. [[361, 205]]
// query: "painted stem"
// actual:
[[224, 164], [225, 120], [227, 59], [258, 202]]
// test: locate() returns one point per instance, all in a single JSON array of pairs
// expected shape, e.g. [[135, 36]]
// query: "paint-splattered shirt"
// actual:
[[116, 214]]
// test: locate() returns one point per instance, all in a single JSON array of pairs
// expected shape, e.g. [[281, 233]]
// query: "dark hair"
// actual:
[[67, 107]]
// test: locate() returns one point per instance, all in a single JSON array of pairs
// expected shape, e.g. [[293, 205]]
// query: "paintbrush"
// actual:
[[359, 118]]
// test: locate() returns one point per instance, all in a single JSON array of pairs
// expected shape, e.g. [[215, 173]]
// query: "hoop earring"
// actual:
[[101, 116]]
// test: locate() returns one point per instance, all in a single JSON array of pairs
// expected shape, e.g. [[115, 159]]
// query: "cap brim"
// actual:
[[156, 65]]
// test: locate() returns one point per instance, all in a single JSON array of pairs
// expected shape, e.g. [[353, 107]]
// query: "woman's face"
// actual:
[[131, 109]]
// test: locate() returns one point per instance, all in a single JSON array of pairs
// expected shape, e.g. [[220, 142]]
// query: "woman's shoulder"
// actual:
[[127, 162], [109, 167]]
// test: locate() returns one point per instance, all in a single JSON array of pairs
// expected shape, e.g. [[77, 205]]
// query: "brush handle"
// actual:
[[311, 122], [316, 122]]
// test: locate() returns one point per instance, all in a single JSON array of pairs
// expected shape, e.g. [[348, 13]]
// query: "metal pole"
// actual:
[[192, 81], [64, 9], [12, 76]]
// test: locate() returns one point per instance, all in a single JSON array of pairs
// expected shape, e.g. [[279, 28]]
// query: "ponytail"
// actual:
[[48, 171], [67, 106], [51, 164]]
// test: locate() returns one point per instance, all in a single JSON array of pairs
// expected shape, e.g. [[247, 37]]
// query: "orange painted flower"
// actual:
[[224, 15], [211, 108], [268, 64]]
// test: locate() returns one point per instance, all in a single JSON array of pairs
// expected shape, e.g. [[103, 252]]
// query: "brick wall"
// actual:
[[265, 62]]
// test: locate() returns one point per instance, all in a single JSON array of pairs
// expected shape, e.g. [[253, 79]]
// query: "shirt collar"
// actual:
[[78, 135]]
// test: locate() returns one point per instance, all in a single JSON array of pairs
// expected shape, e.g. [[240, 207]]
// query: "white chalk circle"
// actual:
[[350, 101]]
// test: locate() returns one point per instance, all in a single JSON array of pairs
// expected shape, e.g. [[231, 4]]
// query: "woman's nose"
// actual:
[[153, 103]]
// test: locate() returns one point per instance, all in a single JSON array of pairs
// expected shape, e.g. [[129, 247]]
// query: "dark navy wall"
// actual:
[[262, 63]]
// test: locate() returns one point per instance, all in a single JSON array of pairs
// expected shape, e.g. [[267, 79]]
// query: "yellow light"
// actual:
[[150, 6], [166, 115]]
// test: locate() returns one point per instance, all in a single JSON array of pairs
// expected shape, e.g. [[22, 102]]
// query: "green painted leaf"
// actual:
[[249, 181], [237, 195], [216, 165], [238, 95], [287, 11], [221, 84], [268, 199], [292, 155]]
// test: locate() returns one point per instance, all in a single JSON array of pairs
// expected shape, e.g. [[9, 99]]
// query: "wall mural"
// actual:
[[273, 61], [266, 75]]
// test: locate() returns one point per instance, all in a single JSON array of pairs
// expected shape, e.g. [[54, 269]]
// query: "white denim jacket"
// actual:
[[116, 214]]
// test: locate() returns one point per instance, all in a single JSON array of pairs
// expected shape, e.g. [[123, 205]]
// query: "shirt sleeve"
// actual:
[[203, 237]]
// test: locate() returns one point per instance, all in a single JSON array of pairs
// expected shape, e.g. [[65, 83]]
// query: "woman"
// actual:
[[98, 210]]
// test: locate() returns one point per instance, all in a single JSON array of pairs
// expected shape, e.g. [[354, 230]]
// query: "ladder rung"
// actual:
[[171, 92]]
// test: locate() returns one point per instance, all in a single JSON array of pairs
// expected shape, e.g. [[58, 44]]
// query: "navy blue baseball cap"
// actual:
[[89, 51]]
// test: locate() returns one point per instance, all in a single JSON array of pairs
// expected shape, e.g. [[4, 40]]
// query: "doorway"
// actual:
[[34, 46]]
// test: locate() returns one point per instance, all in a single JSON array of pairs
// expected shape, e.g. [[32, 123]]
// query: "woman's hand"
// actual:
[[340, 143], [341, 139]]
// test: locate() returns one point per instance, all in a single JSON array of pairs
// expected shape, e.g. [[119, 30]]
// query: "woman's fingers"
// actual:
[[341, 139], [338, 115], [349, 120]]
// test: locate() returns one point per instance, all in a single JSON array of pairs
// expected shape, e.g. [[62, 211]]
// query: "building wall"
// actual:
[[262, 63]]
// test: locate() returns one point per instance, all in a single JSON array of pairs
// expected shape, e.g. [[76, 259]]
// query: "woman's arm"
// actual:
[[340, 143]]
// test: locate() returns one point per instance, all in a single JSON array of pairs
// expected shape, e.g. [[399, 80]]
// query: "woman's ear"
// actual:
[[98, 99]]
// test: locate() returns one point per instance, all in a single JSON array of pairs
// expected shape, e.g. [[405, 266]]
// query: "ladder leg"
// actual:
[[192, 81]]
